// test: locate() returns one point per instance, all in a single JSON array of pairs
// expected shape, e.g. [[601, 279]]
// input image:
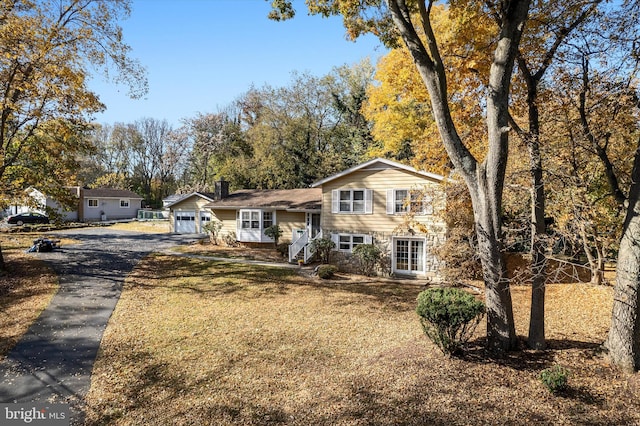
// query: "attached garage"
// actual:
[[187, 215], [185, 222]]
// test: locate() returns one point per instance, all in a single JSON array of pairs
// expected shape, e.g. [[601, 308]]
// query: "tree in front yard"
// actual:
[[410, 23], [48, 50]]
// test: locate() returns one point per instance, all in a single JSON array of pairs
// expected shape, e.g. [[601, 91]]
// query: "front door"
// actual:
[[205, 218], [313, 224], [408, 256]]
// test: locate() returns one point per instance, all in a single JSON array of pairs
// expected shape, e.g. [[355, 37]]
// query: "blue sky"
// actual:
[[201, 55]]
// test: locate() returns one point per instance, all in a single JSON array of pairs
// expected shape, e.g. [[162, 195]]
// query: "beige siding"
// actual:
[[228, 219], [379, 181], [289, 221]]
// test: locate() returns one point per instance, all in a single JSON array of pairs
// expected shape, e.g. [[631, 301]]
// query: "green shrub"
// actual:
[[448, 317], [323, 247], [369, 257], [274, 232], [555, 378], [283, 249], [326, 271]]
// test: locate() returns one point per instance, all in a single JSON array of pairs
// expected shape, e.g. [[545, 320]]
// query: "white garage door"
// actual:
[[185, 222]]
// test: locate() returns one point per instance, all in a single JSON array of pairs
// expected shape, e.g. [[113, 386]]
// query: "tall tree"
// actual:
[[47, 51], [484, 178], [551, 24], [601, 78]]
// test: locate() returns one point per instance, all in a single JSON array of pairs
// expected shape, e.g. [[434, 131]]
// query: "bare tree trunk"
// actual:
[[596, 263], [485, 179], [623, 341], [536, 338], [501, 334]]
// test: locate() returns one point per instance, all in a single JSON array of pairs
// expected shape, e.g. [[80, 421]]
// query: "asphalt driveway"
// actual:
[[54, 360]]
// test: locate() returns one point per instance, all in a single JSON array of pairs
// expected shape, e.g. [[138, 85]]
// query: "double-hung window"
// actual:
[[347, 242], [92, 202], [355, 201], [250, 219], [400, 201], [267, 219], [124, 203]]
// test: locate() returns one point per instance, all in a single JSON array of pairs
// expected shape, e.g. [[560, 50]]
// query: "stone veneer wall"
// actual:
[[346, 262]]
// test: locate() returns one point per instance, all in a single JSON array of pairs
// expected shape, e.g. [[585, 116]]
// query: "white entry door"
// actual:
[[205, 218], [185, 222]]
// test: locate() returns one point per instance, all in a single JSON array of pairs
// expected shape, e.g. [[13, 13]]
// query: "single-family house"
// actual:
[[42, 203], [380, 202], [91, 204], [101, 204], [389, 204]]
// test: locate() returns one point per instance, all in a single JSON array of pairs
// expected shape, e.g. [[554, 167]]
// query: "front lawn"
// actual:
[[26, 288], [194, 342]]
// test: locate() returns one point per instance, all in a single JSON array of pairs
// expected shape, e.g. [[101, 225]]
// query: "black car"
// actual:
[[31, 217]]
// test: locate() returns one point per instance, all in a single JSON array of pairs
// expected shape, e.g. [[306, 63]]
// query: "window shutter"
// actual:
[[336, 240], [368, 201], [368, 239], [391, 207], [335, 201]]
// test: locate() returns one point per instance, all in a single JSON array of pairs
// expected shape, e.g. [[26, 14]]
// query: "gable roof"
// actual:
[[110, 193], [209, 196], [382, 163], [300, 199]]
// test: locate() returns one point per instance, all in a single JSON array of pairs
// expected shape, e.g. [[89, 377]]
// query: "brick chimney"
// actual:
[[221, 189]]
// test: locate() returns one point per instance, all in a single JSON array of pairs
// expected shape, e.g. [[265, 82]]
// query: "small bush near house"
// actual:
[[327, 271], [323, 247], [230, 239], [448, 317], [283, 249], [369, 256], [555, 378], [274, 232], [213, 228]]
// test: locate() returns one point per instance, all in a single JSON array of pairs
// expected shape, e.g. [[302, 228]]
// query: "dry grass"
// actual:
[[26, 288], [147, 226], [213, 343]]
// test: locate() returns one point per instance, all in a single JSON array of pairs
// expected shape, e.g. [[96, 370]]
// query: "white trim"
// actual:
[[336, 238], [97, 200], [384, 161], [127, 200], [426, 203], [186, 197], [367, 201], [423, 260]]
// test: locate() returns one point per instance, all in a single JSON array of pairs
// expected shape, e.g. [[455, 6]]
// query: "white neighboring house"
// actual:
[[108, 204], [45, 203], [92, 204]]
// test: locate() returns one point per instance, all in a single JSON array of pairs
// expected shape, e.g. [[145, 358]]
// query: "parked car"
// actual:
[[31, 217]]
